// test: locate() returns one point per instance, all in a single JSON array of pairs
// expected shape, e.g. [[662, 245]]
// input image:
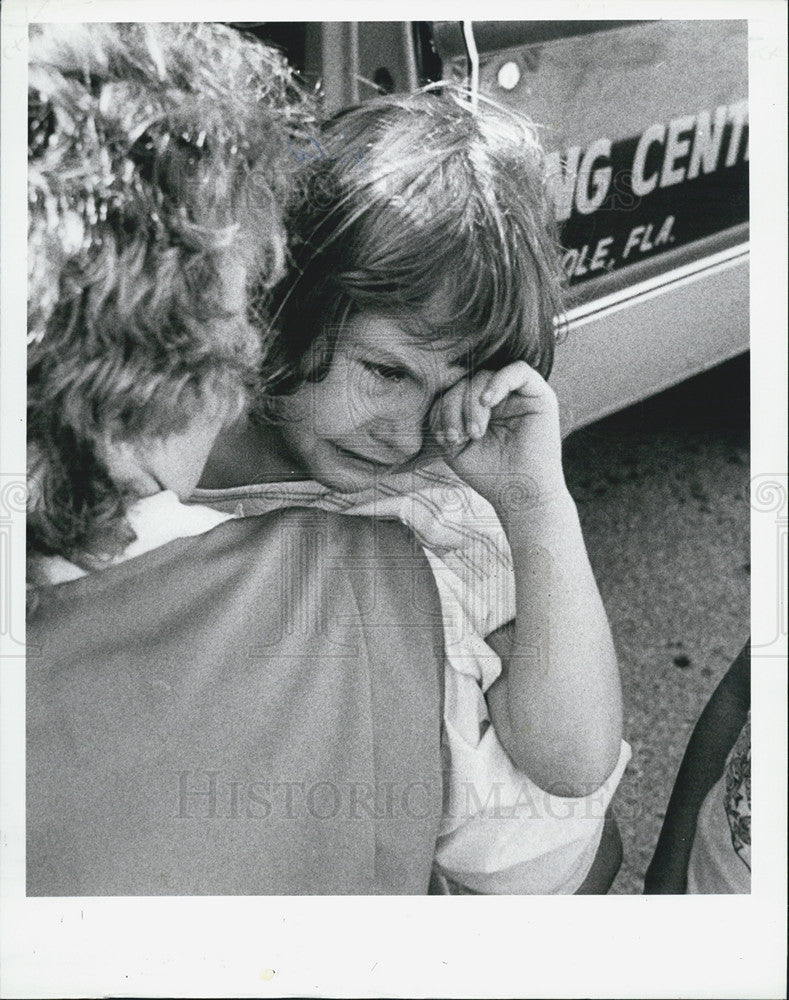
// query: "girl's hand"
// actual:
[[499, 431]]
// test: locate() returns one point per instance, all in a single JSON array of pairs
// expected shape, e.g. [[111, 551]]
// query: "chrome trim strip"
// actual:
[[648, 289]]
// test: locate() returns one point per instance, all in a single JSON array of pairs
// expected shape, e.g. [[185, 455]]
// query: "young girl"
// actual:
[[182, 737], [416, 333]]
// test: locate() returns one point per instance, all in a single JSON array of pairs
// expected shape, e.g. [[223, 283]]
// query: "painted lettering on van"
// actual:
[[665, 155]]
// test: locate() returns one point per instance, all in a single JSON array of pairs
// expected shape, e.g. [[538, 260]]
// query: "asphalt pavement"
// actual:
[[662, 492]]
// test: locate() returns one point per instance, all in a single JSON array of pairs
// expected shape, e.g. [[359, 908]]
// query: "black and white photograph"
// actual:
[[394, 503]]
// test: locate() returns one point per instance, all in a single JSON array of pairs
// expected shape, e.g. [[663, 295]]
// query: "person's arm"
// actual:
[[556, 707], [713, 737], [557, 704]]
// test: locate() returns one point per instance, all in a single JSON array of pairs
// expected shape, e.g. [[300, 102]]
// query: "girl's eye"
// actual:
[[388, 373]]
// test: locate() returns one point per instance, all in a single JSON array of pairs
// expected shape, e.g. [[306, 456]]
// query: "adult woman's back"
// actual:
[[240, 712], [180, 660]]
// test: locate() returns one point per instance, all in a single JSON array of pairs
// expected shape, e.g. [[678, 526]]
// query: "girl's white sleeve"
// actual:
[[500, 832]]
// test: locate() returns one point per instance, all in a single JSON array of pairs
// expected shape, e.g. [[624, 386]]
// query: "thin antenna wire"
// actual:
[[473, 58]]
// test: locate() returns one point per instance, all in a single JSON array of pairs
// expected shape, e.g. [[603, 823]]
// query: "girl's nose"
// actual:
[[403, 435]]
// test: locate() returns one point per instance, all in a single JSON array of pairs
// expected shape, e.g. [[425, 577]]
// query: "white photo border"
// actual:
[[616, 946]]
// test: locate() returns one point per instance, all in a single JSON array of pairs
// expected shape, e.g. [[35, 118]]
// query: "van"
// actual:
[[646, 128]]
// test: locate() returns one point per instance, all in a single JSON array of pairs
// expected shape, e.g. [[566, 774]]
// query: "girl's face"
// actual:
[[368, 416]]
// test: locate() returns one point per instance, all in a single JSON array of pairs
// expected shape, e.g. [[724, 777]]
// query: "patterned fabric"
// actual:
[[720, 858], [737, 798], [448, 518]]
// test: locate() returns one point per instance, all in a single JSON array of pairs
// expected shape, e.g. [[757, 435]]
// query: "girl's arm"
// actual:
[[557, 706]]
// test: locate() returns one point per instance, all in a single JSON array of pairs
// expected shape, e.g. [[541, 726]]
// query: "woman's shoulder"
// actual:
[[336, 529]]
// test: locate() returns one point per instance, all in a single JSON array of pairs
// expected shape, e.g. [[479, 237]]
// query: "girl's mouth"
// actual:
[[362, 459]]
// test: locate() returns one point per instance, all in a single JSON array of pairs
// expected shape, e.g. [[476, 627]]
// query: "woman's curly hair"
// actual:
[[158, 165]]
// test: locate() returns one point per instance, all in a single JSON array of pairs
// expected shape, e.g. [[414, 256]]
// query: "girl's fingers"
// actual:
[[464, 412], [477, 421], [517, 377], [476, 414], [448, 419]]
